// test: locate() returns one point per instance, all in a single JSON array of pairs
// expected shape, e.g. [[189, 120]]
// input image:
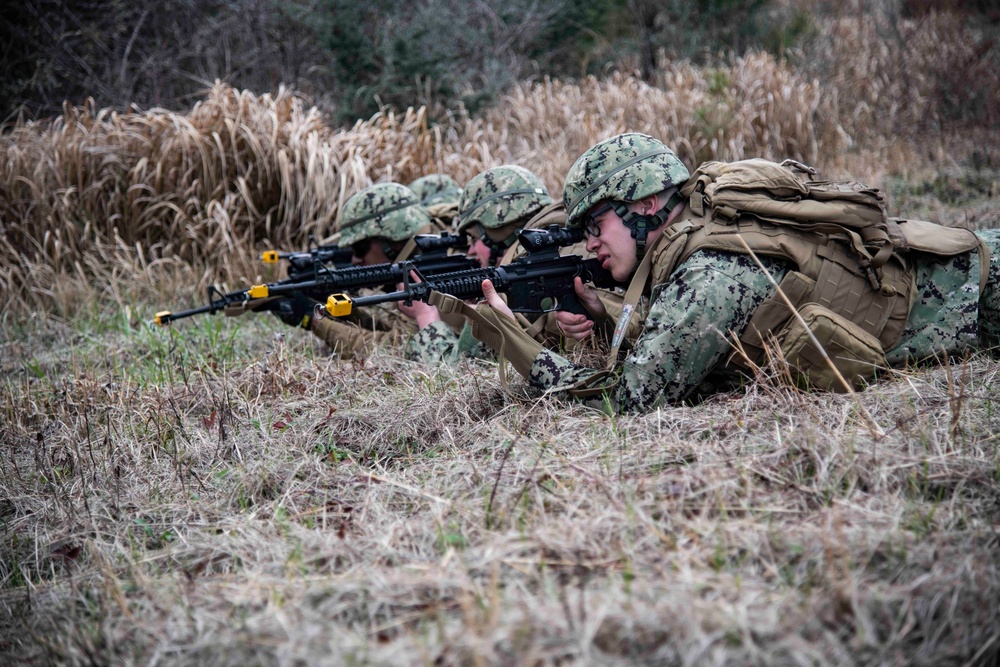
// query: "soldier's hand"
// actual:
[[295, 310], [421, 311], [494, 300], [588, 297], [574, 325]]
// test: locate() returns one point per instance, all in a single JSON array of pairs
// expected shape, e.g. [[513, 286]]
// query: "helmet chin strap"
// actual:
[[498, 248], [641, 225]]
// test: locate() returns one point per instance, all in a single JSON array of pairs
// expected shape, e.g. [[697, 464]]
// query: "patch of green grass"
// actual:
[[450, 536]]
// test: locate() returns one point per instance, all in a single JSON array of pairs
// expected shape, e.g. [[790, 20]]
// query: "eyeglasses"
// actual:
[[591, 224]]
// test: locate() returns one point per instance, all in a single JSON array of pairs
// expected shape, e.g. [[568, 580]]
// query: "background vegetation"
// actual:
[[223, 492], [351, 58]]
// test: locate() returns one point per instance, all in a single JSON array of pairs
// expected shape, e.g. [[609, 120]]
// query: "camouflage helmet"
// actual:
[[500, 196], [624, 168], [387, 210], [436, 189]]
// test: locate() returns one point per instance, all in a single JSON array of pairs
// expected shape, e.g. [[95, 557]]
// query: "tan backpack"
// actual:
[[853, 287]]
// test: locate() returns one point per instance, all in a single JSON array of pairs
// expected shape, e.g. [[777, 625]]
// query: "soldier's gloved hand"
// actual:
[[296, 310]]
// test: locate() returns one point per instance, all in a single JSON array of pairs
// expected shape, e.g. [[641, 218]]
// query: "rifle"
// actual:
[[313, 261], [302, 263], [432, 259], [539, 281]]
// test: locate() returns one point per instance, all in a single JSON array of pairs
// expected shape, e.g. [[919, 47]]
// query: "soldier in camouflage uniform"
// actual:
[[624, 191], [377, 223], [496, 204], [439, 194]]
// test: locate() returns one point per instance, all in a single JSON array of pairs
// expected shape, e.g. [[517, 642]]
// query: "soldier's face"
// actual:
[[614, 247], [374, 253], [480, 251]]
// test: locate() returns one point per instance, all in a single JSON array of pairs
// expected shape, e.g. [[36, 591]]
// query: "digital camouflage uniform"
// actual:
[[387, 211], [496, 202], [685, 336], [494, 206], [439, 194]]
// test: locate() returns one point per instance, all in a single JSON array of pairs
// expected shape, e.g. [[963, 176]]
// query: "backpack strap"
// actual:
[[984, 266], [407, 250], [673, 233]]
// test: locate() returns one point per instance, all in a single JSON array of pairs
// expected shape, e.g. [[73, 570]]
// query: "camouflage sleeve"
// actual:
[[989, 300], [434, 344], [438, 343], [945, 315], [684, 336]]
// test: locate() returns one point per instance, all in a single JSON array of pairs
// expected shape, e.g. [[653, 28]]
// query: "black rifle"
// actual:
[[539, 281], [310, 263], [301, 264], [432, 259]]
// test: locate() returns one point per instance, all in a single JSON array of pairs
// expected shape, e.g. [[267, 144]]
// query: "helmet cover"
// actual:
[[625, 168], [436, 189], [386, 210], [500, 196]]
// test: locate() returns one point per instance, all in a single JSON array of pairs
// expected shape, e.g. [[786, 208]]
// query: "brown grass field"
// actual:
[[223, 492]]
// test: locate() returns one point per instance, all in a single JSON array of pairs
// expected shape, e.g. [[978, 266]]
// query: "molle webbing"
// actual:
[[849, 256], [828, 273]]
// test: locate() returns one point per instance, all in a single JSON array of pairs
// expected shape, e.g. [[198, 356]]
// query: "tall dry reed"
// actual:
[[147, 202]]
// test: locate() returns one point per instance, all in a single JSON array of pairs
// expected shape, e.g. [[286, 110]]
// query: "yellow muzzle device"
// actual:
[[339, 305]]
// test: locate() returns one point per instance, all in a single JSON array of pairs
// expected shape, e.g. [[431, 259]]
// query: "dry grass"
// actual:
[[220, 494], [162, 191], [270, 506], [140, 204]]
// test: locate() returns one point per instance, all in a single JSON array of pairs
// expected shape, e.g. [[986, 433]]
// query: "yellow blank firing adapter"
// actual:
[[257, 292], [338, 305], [269, 256], [162, 317]]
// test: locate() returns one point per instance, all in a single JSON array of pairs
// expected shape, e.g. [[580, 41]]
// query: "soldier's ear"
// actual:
[[649, 205]]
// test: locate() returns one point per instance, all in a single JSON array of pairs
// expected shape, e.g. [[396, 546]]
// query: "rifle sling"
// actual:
[[407, 250], [250, 306], [497, 331], [675, 236]]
